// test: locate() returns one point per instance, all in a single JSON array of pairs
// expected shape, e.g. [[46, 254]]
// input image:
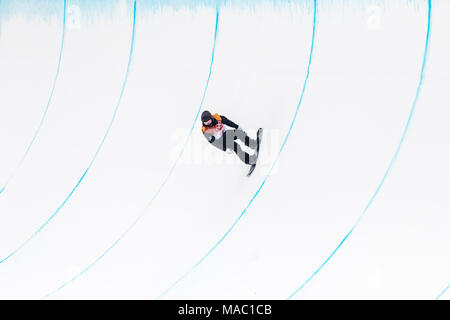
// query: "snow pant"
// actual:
[[228, 142]]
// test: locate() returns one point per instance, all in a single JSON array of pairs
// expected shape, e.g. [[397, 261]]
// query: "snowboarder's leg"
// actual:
[[243, 136], [244, 156], [258, 139]]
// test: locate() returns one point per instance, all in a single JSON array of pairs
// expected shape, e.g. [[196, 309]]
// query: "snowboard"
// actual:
[[258, 139]]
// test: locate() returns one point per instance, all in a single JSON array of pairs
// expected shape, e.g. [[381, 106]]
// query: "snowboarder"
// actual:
[[222, 133]]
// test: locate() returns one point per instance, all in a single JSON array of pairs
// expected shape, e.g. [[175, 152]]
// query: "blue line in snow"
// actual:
[[44, 115], [442, 293], [391, 164], [165, 180], [98, 149], [270, 170]]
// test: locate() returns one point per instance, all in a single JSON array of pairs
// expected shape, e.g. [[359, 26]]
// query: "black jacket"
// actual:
[[228, 122], [225, 121]]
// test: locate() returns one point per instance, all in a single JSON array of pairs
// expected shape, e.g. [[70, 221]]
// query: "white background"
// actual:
[[364, 75]]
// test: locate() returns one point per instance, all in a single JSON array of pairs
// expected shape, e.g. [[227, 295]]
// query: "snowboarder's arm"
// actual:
[[228, 122]]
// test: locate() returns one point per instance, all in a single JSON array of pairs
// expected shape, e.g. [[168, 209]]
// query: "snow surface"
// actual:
[[364, 74]]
